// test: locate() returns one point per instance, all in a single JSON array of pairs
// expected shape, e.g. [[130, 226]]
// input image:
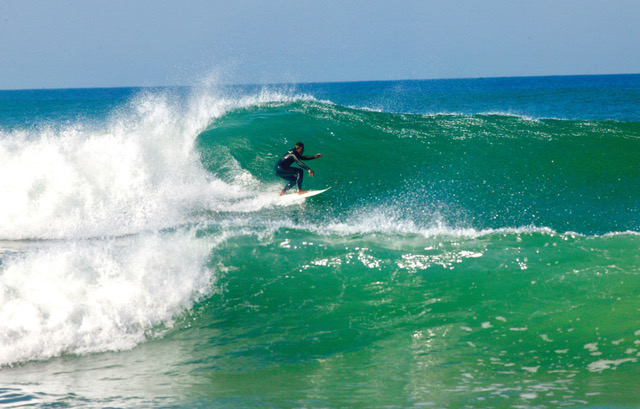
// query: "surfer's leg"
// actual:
[[290, 175], [299, 177], [292, 182]]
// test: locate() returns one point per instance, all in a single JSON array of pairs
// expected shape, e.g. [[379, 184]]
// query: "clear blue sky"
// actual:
[[105, 43]]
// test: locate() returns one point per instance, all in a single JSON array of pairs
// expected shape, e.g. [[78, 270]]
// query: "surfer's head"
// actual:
[[299, 147]]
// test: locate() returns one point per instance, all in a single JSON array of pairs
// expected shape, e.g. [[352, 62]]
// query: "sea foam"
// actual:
[[95, 253], [97, 295], [137, 171]]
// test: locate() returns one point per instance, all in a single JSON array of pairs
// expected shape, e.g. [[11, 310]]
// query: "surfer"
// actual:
[[294, 175]]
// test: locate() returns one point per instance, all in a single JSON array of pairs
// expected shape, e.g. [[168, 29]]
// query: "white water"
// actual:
[[97, 295], [137, 171], [90, 256]]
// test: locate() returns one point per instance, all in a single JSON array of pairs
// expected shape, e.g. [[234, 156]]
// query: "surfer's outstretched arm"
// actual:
[[299, 161], [316, 156]]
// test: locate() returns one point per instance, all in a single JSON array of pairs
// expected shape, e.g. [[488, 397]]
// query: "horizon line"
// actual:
[[247, 84]]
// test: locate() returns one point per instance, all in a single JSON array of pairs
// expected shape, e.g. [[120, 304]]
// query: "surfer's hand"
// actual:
[[318, 155], [310, 173]]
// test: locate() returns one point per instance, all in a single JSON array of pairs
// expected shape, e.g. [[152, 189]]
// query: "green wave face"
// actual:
[[480, 171]]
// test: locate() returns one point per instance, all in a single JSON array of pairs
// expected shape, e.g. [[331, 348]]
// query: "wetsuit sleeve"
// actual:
[[300, 162]]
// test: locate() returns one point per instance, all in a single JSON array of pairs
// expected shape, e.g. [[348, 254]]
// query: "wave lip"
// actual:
[[138, 170]]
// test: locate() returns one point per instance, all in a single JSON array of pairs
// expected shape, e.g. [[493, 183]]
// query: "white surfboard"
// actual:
[[294, 197]]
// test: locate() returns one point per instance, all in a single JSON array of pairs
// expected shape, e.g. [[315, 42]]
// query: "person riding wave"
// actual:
[[292, 174]]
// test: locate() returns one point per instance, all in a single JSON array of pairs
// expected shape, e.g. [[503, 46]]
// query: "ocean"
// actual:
[[479, 246]]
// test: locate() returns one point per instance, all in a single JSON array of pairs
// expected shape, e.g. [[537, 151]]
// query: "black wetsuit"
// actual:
[[287, 172]]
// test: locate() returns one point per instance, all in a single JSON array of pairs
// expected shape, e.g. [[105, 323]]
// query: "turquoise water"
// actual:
[[478, 246]]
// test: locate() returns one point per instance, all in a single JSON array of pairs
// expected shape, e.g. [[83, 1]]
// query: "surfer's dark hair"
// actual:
[[299, 145]]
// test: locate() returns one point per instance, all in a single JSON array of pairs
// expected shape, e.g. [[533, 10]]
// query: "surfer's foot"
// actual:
[[282, 193], [302, 192]]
